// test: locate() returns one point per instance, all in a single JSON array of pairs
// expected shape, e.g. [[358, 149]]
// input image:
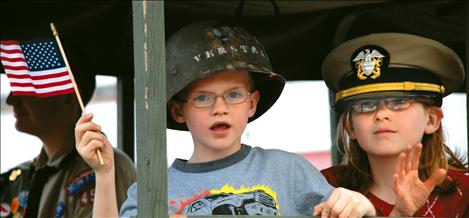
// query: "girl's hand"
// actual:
[[345, 203], [88, 139], [411, 192]]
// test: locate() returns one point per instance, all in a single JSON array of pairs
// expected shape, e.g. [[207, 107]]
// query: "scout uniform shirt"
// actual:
[[69, 189]]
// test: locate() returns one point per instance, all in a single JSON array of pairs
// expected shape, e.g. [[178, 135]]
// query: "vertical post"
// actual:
[[334, 120], [340, 36], [150, 96], [125, 115], [467, 78]]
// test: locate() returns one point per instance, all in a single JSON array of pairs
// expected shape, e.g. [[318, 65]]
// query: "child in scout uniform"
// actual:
[[57, 183], [389, 90], [219, 78]]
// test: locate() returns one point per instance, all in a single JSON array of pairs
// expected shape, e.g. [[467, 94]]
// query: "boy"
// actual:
[[219, 78]]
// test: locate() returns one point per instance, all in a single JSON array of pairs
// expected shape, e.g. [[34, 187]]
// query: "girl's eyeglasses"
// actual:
[[392, 103]]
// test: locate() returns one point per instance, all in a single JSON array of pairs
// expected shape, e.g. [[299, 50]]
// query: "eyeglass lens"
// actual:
[[235, 96], [371, 105]]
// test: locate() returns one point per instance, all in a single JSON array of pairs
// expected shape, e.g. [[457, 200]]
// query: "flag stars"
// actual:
[[42, 55]]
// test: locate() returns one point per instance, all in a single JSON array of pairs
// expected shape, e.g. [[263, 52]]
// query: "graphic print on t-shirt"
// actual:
[[256, 200]]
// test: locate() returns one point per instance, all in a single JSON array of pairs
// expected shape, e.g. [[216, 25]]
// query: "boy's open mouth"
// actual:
[[220, 126]]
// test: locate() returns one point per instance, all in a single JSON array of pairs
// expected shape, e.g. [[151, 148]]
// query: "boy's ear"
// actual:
[[176, 112], [435, 115], [253, 100]]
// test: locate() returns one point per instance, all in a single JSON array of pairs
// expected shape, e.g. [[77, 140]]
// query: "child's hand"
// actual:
[[345, 203], [411, 193], [88, 139]]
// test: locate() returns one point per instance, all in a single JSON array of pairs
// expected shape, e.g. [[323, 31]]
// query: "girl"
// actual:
[[389, 92]]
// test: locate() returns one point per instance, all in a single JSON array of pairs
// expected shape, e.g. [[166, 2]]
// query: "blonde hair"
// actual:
[[435, 155]]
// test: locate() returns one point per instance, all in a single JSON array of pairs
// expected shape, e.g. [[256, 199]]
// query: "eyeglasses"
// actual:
[[394, 103], [231, 97]]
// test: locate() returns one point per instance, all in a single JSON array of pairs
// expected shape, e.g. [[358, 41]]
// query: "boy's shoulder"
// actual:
[[272, 152], [277, 155]]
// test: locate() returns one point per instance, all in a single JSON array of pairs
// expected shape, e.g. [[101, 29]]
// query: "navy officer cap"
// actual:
[[390, 64]]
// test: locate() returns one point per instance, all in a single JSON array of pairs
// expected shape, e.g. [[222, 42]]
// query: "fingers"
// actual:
[[83, 125], [338, 209], [408, 159], [87, 136], [352, 209], [91, 141], [344, 203], [90, 148], [84, 118], [416, 157], [436, 178], [395, 185], [407, 165], [329, 204], [318, 209], [400, 167]]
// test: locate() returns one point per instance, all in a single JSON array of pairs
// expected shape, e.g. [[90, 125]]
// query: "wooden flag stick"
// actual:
[[77, 92]]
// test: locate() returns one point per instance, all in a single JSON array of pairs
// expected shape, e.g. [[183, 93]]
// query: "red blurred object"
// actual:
[[320, 160]]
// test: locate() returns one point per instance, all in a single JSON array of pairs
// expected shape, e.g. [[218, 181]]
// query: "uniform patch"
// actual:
[[23, 198], [59, 210], [14, 174], [4, 210], [80, 183], [15, 205], [87, 198]]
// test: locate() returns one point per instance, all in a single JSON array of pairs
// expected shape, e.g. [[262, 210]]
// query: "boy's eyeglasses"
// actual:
[[235, 96], [394, 103]]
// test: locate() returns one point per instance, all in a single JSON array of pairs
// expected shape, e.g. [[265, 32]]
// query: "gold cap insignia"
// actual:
[[369, 62]]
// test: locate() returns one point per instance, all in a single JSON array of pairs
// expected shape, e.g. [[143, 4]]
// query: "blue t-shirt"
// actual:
[[252, 181]]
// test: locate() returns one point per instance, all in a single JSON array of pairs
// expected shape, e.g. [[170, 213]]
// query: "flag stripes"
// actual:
[[49, 77]]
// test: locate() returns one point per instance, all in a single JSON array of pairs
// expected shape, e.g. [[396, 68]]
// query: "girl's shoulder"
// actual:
[[334, 174], [461, 178], [334, 169]]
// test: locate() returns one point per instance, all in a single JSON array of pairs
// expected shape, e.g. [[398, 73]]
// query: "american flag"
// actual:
[[35, 68]]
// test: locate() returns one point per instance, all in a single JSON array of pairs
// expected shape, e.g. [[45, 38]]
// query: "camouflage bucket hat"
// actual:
[[209, 47]]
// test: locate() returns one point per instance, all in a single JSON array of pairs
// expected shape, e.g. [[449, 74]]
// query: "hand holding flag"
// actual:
[[39, 68], [56, 34]]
